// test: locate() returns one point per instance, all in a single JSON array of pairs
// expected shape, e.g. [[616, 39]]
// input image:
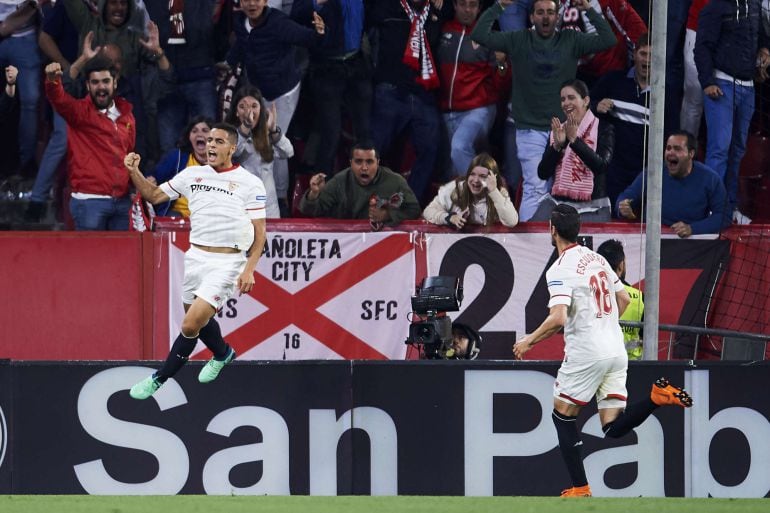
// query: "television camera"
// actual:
[[431, 327]]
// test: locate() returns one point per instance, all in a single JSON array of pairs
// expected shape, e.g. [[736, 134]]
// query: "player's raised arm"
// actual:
[[149, 191]]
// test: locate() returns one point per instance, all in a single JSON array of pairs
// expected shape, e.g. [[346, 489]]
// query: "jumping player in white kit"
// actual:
[[227, 235], [587, 299]]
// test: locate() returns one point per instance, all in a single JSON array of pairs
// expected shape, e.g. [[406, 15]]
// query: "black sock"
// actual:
[[211, 335], [176, 358], [630, 418], [571, 447]]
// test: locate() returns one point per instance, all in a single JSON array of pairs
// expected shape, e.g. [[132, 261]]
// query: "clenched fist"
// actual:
[[53, 71], [131, 161]]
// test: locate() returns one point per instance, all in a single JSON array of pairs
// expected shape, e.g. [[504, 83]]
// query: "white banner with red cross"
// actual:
[[316, 296]]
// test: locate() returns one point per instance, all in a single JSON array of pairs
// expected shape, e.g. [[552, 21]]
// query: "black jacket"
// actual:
[[729, 35]]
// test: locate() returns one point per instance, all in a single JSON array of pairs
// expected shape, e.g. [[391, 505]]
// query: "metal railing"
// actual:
[[756, 338]]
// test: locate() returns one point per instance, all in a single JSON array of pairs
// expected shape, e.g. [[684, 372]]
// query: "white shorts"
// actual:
[[577, 382], [211, 276]]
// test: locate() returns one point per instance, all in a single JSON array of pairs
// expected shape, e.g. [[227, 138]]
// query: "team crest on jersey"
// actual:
[[198, 179], [232, 186]]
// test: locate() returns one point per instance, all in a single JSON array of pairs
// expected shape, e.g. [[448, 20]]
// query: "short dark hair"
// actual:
[[365, 145], [532, 6], [692, 142], [642, 40], [566, 220], [232, 132], [100, 63], [578, 85], [612, 251]]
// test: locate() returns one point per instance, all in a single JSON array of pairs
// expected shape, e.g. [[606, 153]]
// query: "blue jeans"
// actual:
[[395, 110], [727, 124], [512, 167], [100, 213], [465, 128], [531, 145], [23, 53], [54, 152], [195, 98]]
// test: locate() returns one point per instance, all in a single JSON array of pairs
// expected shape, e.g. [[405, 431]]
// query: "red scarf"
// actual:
[[417, 54], [573, 179], [176, 17]]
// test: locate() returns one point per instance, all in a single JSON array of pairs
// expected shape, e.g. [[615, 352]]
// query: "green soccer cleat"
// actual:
[[145, 388], [213, 367]]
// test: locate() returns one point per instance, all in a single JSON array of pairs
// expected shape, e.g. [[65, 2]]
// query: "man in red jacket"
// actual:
[[472, 80], [101, 131]]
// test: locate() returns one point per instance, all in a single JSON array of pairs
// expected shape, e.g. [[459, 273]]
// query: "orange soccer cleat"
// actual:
[[577, 491], [663, 393]]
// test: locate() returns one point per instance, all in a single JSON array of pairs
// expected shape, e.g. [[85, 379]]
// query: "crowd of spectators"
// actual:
[[382, 101]]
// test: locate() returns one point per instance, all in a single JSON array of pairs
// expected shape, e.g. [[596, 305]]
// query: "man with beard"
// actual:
[[542, 59], [694, 199], [586, 299], [101, 129], [365, 190]]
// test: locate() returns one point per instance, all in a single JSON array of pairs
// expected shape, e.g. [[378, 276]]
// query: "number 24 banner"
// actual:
[[316, 296]]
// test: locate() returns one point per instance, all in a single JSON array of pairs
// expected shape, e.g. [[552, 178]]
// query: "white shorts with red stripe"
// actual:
[[578, 382], [211, 276]]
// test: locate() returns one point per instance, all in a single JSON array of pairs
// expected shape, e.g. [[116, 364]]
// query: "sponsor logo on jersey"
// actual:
[[208, 188]]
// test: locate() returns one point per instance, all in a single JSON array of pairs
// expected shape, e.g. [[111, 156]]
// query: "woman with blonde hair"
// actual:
[[478, 198]]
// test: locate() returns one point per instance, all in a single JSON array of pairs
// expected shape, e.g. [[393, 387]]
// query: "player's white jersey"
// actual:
[[584, 281], [222, 204]]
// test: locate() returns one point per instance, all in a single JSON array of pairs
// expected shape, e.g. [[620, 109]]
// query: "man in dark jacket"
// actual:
[[340, 72], [730, 47], [405, 82], [187, 33], [365, 190]]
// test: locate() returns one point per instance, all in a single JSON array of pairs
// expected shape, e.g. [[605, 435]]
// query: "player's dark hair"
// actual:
[[100, 63], [612, 251], [566, 220], [365, 145], [692, 142], [232, 132]]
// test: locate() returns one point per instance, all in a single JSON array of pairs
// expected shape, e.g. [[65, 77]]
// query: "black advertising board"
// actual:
[[6, 454], [382, 428]]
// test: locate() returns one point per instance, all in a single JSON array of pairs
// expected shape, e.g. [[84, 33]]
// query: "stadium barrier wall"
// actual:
[[363, 427], [98, 296]]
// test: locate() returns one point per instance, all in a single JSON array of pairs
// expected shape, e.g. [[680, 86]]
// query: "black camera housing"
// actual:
[[431, 327]]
